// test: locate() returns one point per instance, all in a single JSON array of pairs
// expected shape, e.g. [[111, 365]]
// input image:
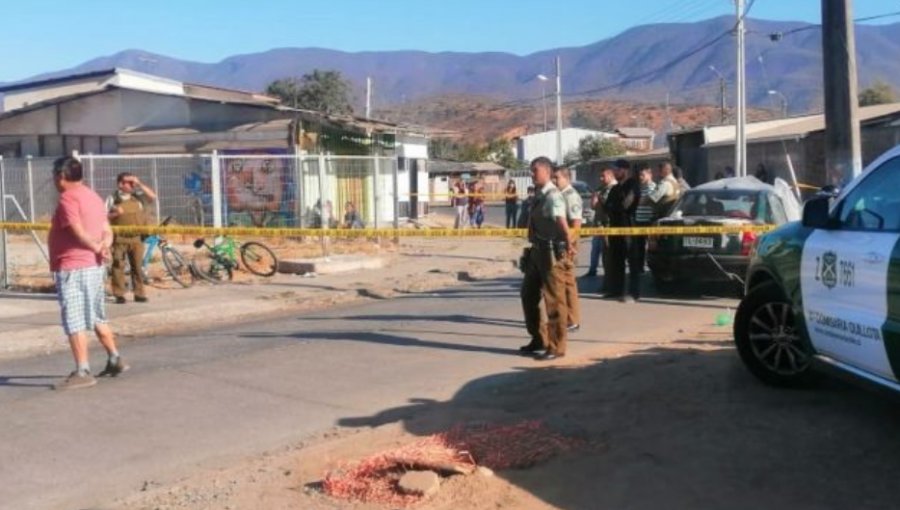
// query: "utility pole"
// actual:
[[740, 140], [368, 97], [543, 79], [723, 89], [544, 103], [559, 154], [843, 153]]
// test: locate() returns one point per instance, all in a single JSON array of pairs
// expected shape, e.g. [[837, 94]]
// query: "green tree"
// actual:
[[579, 119], [582, 119], [593, 147], [321, 91], [571, 158], [499, 151], [442, 148], [879, 93]]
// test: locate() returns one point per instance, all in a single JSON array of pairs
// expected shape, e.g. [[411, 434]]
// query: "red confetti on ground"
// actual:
[[462, 448]]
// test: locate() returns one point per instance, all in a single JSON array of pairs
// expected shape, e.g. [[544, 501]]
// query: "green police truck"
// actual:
[[827, 288]]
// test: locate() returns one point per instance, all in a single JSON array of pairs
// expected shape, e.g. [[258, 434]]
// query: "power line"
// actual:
[[777, 36], [698, 10], [647, 74], [663, 13], [677, 60]]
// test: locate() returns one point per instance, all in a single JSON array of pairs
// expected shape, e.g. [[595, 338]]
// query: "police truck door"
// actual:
[[849, 277]]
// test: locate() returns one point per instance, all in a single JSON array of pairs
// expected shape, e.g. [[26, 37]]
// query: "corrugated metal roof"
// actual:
[[52, 102], [227, 95], [277, 125], [644, 156], [60, 79], [797, 127], [213, 94], [452, 167], [636, 132]]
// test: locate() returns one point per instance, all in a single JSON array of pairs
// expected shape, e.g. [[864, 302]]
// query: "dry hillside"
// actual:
[[479, 119]]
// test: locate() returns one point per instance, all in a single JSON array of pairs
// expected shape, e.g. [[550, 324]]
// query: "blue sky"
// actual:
[[48, 35]]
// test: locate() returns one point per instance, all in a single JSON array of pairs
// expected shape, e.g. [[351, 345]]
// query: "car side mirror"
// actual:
[[816, 213]]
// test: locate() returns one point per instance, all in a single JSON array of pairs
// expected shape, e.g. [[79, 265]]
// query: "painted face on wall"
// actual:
[[254, 185]]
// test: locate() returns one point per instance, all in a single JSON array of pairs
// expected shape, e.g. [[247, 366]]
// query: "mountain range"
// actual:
[[656, 61]]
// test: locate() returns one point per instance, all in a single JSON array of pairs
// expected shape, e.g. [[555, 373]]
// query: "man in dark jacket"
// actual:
[[621, 204]]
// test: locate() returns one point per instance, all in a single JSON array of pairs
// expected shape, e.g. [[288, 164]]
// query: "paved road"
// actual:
[[494, 214], [207, 398]]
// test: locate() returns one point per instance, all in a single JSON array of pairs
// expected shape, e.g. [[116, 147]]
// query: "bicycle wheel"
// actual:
[[177, 267], [210, 268], [259, 259]]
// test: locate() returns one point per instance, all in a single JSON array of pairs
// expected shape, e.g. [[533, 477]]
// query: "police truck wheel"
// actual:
[[768, 340]]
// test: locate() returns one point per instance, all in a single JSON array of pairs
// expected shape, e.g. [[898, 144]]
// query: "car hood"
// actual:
[[702, 220]]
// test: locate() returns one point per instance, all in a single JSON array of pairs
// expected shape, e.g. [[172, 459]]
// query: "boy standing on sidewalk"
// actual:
[[79, 241]]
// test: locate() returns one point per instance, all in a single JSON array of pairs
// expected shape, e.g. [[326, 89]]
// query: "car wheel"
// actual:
[[667, 286], [767, 339]]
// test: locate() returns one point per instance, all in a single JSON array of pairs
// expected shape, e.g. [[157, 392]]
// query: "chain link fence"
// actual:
[[247, 190]]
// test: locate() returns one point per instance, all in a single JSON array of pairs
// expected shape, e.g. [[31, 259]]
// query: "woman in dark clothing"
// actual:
[[512, 204]]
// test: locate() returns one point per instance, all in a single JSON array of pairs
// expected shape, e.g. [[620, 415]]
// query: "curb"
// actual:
[[46, 340]]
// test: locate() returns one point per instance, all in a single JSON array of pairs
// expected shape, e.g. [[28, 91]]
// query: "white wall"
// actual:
[[142, 110], [92, 115], [412, 147], [440, 189], [105, 114], [37, 122], [122, 78], [139, 81], [544, 144]]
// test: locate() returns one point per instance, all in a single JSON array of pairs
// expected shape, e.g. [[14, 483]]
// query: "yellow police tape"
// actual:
[[400, 232]]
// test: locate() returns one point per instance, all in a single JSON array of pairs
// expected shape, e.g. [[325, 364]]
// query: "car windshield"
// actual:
[[720, 203], [581, 188]]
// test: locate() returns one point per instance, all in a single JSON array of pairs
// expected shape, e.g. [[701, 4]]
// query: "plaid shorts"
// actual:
[[82, 298]]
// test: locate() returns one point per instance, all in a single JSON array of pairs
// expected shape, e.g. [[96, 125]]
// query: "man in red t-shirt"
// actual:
[[79, 242]]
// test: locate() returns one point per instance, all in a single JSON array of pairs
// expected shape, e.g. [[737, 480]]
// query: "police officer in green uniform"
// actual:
[[562, 179], [544, 265], [127, 207]]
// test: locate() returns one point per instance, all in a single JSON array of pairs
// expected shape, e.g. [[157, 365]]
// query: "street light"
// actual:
[[784, 102], [723, 87], [543, 79]]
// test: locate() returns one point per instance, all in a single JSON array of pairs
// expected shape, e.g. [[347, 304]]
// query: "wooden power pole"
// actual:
[[843, 154]]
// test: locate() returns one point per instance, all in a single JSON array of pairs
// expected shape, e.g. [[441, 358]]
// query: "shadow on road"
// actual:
[[683, 428], [454, 318], [13, 381], [384, 339]]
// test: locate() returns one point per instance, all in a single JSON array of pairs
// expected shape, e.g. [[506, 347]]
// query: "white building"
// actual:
[[122, 112], [87, 112], [534, 145]]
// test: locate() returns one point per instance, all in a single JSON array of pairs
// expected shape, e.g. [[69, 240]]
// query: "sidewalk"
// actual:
[[29, 323]]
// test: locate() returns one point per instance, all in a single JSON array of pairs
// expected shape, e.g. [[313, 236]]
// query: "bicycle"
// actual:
[[219, 261], [176, 265]]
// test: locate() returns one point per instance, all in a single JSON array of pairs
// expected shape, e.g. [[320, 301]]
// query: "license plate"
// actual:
[[698, 242]]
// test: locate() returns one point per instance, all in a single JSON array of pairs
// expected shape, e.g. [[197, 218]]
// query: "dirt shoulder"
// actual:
[[678, 425]]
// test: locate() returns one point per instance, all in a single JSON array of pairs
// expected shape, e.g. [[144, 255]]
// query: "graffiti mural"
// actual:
[[257, 191]]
